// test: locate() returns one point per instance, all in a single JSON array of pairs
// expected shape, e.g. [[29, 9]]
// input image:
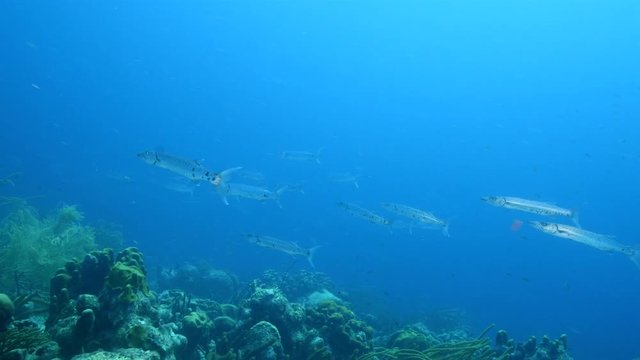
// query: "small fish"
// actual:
[[345, 178], [595, 240], [287, 247], [302, 155], [365, 214], [531, 206], [249, 192], [419, 216], [191, 169]]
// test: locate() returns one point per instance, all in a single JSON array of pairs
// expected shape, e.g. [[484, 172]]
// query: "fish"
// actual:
[[191, 169], [531, 206], [182, 187], [365, 214], [249, 192], [302, 155], [252, 175], [421, 217], [602, 242], [287, 247], [345, 178]]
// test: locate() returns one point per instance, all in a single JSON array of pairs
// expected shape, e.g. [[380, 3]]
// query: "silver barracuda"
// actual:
[[191, 169], [249, 192], [421, 217], [599, 241], [531, 206], [302, 155], [345, 178], [365, 214], [288, 247]]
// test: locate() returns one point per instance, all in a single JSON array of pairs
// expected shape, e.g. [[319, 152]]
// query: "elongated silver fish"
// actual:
[[345, 178], [419, 216], [302, 155], [249, 192], [599, 241], [287, 247], [191, 169], [365, 214], [531, 206]]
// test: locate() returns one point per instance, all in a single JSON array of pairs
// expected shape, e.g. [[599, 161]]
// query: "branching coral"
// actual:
[[21, 338], [35, 246]]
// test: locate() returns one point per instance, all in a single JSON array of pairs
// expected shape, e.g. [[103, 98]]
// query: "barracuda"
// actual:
[[599, 241], [249, 192], [287, 247], [191, 169], [417, 215], [531, 206], [365, 214]]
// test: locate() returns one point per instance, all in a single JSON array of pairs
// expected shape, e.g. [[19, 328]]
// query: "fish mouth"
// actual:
[[486, 198]]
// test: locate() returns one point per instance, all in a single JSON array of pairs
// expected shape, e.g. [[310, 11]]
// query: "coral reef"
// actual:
[[297, 285], [102, 308], [35, 246], [7, 310], [17, 341], [546, 349], [200, 280]]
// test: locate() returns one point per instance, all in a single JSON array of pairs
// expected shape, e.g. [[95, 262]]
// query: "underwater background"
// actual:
[[432, 104]]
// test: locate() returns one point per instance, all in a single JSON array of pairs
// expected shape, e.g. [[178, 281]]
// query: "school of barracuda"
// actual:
[[410, 217]]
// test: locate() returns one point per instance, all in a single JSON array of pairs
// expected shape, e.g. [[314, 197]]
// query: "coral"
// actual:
[[410, 338], [122, 354], [262, 342], [127, 276], [35, 246], [196, 326], [478, 349], [446, 320], [297, 285], [267, 304], [28, 338], [7, 310], [30, 304], [77, 278], [223, 324], [347, 336], [546, 349], [200, 280]]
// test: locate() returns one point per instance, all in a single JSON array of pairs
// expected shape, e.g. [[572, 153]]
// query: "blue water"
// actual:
[[435, 104]]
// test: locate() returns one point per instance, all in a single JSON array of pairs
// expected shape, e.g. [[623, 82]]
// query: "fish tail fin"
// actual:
[[318, 152], [445, 229], [281, 190], [635, 257], [312, 252], [223, 189], [576, 218], [225, 175], [279, 194]]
